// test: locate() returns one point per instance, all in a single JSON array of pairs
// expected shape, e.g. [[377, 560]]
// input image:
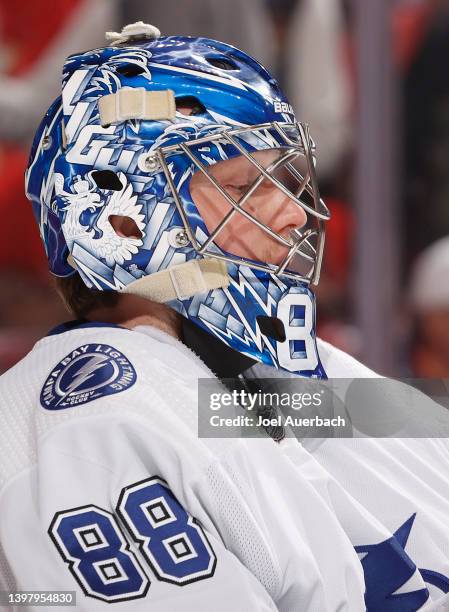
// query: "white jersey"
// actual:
[[402, 482], [106, 490]]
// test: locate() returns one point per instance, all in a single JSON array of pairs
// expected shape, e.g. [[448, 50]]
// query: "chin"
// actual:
[[274, 256]]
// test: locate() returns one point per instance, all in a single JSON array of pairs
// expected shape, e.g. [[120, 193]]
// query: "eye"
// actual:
[[106, 179], [222, 63], [130, 70], [189, 105], [239, 188]]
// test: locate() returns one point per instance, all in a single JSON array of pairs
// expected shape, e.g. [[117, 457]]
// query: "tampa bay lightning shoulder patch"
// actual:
[[88, 372]]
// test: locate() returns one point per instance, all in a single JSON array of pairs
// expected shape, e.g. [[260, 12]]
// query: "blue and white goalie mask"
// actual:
[[173, 168]]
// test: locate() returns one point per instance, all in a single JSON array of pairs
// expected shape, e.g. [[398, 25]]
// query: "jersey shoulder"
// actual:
[[74, 365], [70, 357], [338, 364], [73, 378]]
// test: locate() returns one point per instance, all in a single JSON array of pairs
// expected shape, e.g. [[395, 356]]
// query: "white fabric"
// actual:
[[283, 529], [391, 479]]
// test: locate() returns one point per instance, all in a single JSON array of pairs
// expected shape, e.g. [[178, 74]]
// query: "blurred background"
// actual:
[[371, 79]]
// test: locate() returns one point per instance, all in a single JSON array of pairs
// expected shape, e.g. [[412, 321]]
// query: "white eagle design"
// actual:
[[100, 239]]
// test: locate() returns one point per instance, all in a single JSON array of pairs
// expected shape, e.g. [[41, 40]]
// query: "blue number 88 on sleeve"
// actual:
[[169, 538], [91, 542]]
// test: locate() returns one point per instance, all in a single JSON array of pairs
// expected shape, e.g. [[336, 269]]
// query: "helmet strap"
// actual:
[[182, 281]]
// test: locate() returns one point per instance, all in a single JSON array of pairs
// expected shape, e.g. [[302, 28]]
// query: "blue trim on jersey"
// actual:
[[79, 324]]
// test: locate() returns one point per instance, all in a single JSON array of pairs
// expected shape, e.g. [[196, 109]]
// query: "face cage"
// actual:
[[302, 246]]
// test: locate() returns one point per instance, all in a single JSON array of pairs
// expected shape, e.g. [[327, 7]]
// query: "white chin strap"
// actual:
[[182, 281]]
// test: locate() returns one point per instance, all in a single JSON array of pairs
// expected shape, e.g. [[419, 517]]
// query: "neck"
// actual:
[[132, 311]]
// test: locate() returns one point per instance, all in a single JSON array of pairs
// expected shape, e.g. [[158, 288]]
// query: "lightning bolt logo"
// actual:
[[91, 371], [93, 364]]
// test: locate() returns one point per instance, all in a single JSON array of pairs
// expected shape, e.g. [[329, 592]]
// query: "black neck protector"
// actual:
[[225, 362]]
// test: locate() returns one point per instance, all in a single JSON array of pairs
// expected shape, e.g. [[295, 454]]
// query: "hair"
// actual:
[[79, 299]]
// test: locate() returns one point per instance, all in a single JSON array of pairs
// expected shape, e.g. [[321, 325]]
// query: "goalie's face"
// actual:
[[269, 208]]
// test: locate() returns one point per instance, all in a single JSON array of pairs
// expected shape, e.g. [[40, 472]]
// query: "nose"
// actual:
[[291, 213], [278, 211]]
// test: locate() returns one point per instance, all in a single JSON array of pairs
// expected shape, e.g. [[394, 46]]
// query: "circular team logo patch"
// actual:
[[88, 372]]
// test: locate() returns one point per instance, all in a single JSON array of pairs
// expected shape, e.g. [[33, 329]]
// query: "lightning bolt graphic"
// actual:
[[228, 334], [255, 333], [244, 287], [267, 303], [87, 371]]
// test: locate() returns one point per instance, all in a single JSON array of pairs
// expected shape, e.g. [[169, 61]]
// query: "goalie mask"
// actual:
[[173, 168]]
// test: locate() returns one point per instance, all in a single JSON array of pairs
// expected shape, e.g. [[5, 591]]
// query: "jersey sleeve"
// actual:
[[110, 511], [285, 529]]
